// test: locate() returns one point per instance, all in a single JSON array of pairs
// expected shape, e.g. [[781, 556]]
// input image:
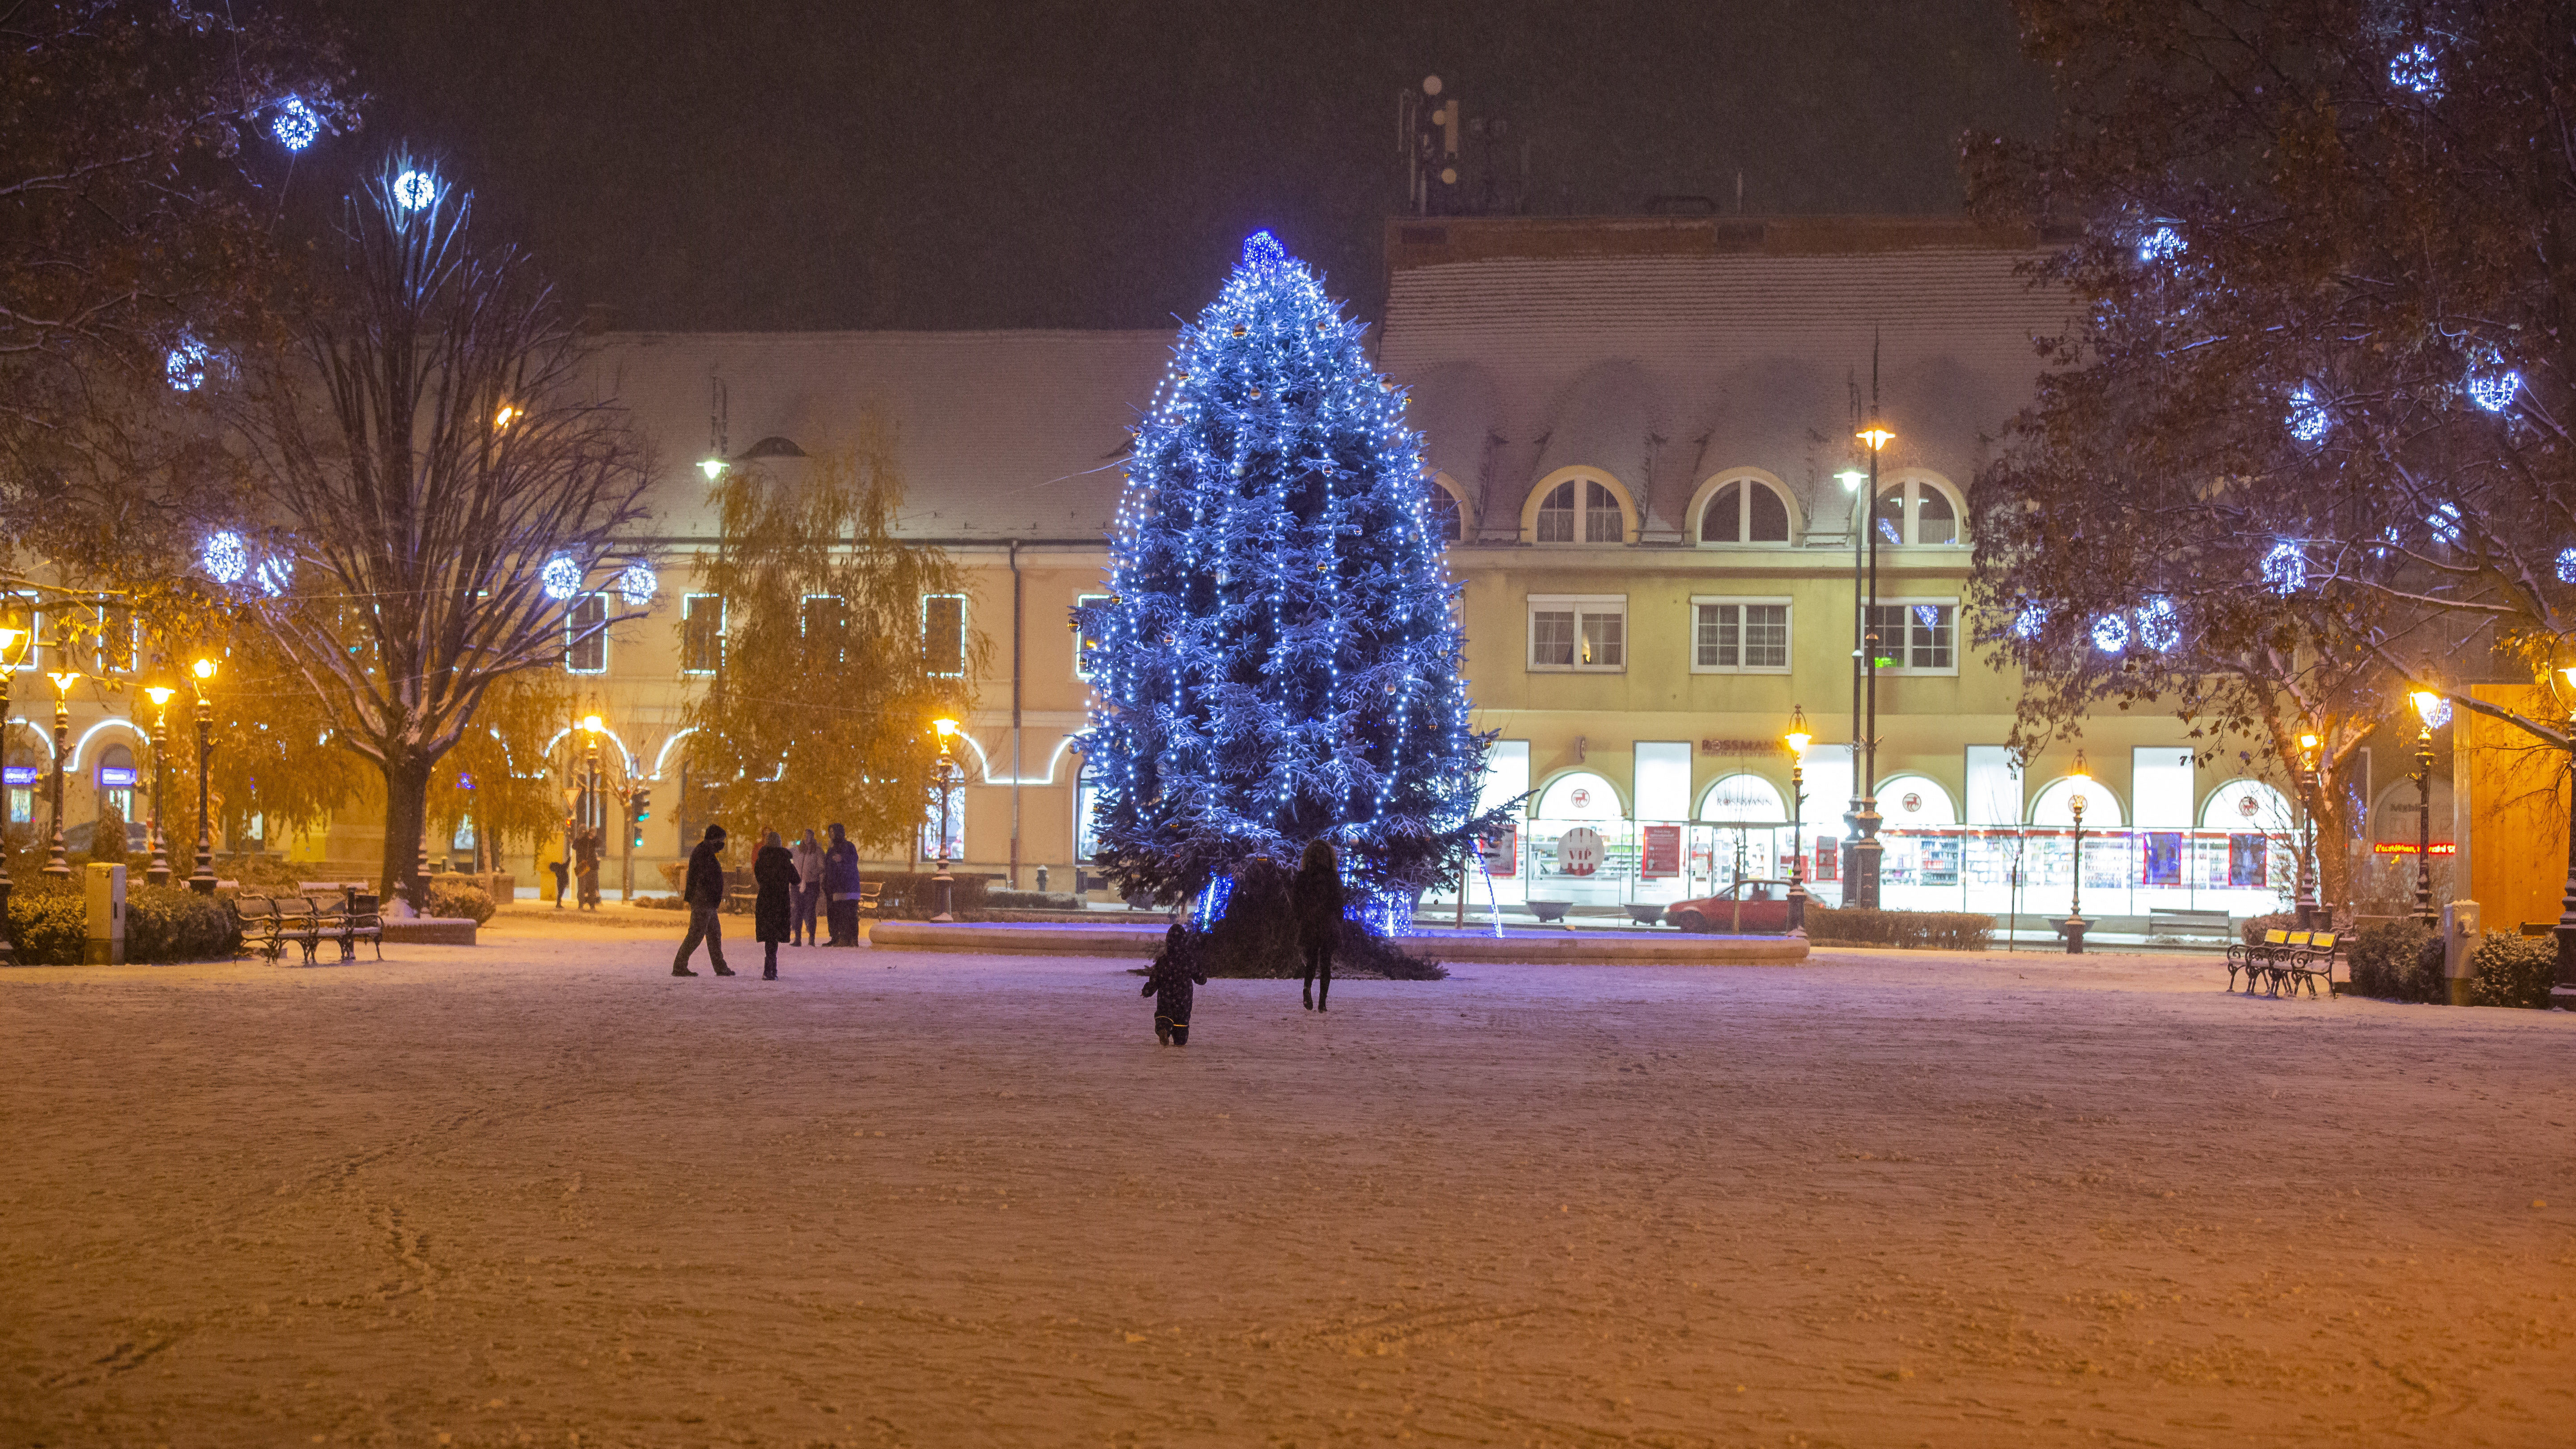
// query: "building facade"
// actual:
[[1641, 437]]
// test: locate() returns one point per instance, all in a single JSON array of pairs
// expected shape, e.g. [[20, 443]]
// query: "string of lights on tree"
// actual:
[[1279, 659]]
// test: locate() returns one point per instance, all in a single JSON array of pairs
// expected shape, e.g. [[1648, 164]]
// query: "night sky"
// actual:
[[764, 164]]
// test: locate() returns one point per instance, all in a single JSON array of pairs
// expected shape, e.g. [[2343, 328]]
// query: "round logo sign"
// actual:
[[1913, 803], [2245, 806], [1582, 798], [1578, 851]]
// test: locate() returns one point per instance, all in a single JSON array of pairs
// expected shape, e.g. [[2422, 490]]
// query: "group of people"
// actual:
[[1316, 896], [789, 886], [587, 848]]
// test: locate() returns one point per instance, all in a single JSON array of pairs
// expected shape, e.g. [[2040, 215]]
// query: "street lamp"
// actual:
[[2426, 702], [8, 665], [2075, 924], [947, 766], [158, 873], [1852, 479], [2308, 841], [590, 728], [59, 867], [202, 880], [2562, 682], [1798, 738], [1865, 819]]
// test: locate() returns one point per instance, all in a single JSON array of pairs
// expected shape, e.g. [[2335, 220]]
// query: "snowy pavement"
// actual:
[[538, 1191]]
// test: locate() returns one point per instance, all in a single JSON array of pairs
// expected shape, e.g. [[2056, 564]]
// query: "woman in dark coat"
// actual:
[[774, 871], [1317, 895]]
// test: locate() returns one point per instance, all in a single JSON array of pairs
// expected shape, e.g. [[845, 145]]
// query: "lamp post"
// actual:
[[202, 880], [60, 867], [2426, 702], [590, 729], [2075, 923], [1868, 850], [1798, 738], [1852, 479], [158, 873], [2562, 682], [947, 764], [2308, 841], [8, 665]]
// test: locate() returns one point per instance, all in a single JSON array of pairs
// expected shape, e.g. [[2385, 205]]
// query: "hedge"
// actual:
[[1911, 930], [2252, 929], [454, 898], [49, 926], [2513, 971], [2398, 961]]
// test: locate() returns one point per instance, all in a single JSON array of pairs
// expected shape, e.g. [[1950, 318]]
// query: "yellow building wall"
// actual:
[[2515, 808]]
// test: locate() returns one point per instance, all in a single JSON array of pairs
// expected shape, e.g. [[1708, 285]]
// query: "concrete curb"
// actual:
[[1140, 945], [431, 931]]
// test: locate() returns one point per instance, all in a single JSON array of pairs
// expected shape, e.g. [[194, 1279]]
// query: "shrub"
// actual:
[[1911, 930], [48, 925], [1002, 899], [455, 898], [2398, 961], [2251, 932], [2513, 971], [259, 873], [914, 895], [173, 923], [661, 903], [107, 837]]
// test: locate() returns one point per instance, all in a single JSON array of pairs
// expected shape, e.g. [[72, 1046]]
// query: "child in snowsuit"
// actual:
[[1168, 982]]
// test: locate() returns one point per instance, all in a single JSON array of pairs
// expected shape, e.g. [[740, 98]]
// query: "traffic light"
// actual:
[[640, 808]]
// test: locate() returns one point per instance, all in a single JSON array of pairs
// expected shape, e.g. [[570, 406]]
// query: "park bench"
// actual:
[[270, 923], [2293, 957], [259, 921], [870, 893], [357, 917], [2255, 960], [2189, 923]]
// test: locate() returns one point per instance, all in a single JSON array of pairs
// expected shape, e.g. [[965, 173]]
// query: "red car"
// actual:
[[1759, 907]]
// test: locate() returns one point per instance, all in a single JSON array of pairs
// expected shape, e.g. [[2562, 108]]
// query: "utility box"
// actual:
[[2460, 937], [106, 945]]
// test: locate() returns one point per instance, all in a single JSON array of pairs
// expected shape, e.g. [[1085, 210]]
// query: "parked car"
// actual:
[[1756, 906]]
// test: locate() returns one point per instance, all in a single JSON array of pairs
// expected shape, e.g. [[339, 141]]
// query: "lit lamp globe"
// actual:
[[204, 669], [591, 724]]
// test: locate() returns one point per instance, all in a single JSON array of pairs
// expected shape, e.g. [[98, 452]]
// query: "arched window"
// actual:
[[1743, 800], [1582, 500], [1915, 512], [1745, 511], [1579, 795], [1447, 521], [2054, 807]]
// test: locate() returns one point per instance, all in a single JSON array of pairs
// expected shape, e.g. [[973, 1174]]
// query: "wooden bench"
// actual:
[[357, 917], [270, 923], [2189, 923], [871, 893], [259, 921], [2292, 957]]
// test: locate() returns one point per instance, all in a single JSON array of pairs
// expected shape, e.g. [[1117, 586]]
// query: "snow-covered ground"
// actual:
[[539, 1191]]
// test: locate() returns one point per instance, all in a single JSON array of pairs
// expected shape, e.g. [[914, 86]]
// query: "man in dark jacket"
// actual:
[[703, 893], [841, 887]]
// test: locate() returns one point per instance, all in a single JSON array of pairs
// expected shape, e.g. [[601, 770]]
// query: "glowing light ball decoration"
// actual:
[[274, 576], [2028, 623], [637, 584], [2444, 522], [2416, 69], [2159, 625], [560, 578], [2160, 245], [2567, 566], [186, 365], [2307, 419], [2110, 633], [415, 190], [2285, 568], [296, 126], [225, 559], [2493, 386], [1278, 660]]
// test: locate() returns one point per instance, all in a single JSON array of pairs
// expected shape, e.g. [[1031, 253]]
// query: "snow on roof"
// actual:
[[999, 434], [1663, 351]]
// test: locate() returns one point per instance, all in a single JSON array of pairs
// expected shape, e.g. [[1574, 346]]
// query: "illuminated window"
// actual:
[[1578, 633], [1918, 636]]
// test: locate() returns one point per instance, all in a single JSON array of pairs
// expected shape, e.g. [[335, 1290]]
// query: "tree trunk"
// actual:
[[406, 816]]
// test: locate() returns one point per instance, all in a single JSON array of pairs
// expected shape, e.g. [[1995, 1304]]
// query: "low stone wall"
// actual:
[[1559, 948]]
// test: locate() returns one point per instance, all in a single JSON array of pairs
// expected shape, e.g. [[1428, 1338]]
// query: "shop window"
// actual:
[[1731, 636], [1745, 511], [586, 635], [2246, 858], [1917, 636], [943, 635], [1578, 633], [702, 623]]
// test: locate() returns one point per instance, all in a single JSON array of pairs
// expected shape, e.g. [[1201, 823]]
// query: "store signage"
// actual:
[[2392, 847], [1742, 747], [1662, 851], [113, 777], [1578, 851], [18, 774]]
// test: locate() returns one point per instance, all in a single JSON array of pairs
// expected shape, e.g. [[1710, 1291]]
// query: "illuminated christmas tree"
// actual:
[[1278, 659]]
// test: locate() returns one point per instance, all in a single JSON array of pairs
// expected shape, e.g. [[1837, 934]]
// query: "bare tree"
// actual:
[[443, 506]]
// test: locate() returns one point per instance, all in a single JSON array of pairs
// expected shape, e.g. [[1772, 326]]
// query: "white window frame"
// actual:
[[1744, 515], [572, 630], [1582, 606], [687, 617], [1783, 601], [1909, 493], [1905, 656], [962, 611], [1083, 601]]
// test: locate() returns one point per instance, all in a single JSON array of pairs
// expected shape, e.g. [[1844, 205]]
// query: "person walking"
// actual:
[[773, 870], [808, 855], [1317, 894], [841, 887], [1169, 982], [704, 894]]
